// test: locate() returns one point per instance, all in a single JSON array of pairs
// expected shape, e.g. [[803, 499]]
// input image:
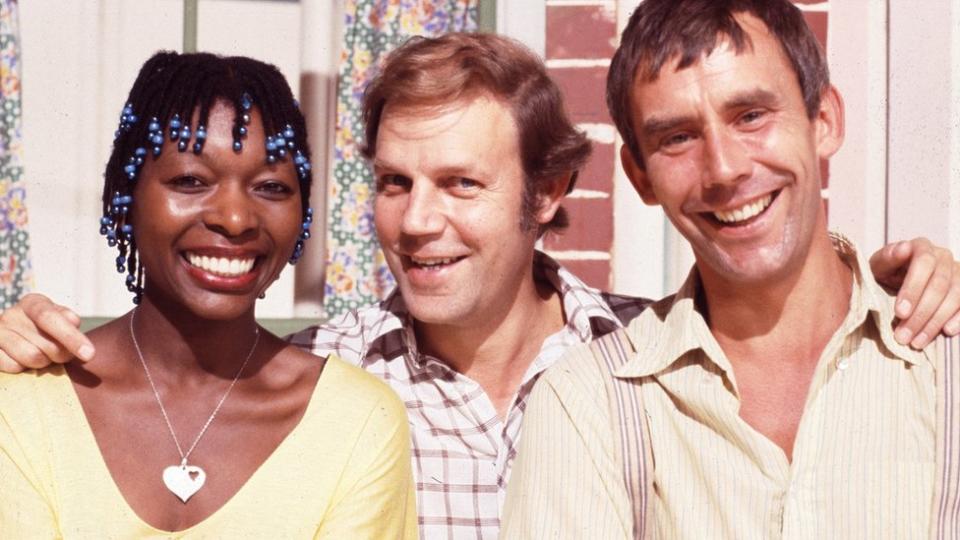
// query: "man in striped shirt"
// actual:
[[472, 153], [769, 397]]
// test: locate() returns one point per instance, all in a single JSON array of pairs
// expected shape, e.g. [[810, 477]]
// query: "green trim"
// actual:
[[279, 327], [189, 26], [487, 16]]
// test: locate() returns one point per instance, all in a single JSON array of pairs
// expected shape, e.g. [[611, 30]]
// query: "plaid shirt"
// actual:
[[462, 450]]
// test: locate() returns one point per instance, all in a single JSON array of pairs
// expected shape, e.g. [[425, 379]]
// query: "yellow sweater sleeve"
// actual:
[[378, 501], [25, 507]]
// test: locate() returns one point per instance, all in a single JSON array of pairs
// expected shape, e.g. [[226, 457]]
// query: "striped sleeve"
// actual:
[[566, 482], [946, 518]]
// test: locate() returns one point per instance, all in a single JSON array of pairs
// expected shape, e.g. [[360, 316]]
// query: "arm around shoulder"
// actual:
[[566, 481]]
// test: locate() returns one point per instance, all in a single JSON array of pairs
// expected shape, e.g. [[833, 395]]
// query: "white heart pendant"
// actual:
[[184, 480]]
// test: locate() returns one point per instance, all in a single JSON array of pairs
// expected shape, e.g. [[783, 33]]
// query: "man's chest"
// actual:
[[863, 457]]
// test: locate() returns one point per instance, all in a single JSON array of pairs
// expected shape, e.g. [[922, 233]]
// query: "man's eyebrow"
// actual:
[[657, 125], [443, 170], [750, 98]]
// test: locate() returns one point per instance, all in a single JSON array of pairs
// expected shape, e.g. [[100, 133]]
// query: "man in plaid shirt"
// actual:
[[473, 153]]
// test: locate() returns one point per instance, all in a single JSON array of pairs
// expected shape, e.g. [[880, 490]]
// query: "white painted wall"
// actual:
[[924, 121], [858, 68]]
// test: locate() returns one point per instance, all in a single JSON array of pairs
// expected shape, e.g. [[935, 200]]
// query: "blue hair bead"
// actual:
[[281, 152], [237, 146], [271, 158], [197, 147], [182, 145], [175, 122], [154, 124], [105, 221], [201, 132], [243, 131], [288, 131], [156, 139], [140, 151], [126, 228], [245, 118], [245, 102]]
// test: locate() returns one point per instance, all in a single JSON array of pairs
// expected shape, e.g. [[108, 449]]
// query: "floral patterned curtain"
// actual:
[[356, 272], [15, 274]]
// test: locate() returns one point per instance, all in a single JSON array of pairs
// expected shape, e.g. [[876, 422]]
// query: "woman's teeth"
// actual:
[[745, 212], [221, 266]]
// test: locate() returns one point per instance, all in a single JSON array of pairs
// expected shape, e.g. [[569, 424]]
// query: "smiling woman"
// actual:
[[205, 199]]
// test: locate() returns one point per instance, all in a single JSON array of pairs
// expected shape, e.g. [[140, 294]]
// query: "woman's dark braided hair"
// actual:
[[169, 89]]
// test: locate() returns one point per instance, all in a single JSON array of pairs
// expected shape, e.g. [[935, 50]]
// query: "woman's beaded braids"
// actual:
[[171, 90]]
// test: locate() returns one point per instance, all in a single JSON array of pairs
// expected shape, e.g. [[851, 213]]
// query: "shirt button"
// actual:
[[843, 364]]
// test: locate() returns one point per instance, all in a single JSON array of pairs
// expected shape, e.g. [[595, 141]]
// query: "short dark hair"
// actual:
[[455, 66], [661, 30], [178, 85]]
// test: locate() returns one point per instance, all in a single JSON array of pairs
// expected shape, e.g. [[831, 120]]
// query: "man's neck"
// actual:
[[802, 308], [774, 335], [497, 351]]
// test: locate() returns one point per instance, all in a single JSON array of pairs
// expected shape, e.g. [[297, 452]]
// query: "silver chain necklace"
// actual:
[[185, 480]]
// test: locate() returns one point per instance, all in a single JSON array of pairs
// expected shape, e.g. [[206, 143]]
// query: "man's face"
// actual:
[[732, 156], [448, 210]]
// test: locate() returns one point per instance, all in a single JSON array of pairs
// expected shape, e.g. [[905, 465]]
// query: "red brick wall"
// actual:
[[580, 39], [579, 43]]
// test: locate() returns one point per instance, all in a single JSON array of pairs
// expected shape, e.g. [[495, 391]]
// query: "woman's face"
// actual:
[[215, 229]]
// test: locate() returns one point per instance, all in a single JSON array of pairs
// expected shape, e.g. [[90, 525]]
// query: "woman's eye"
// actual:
[[277, 188], [187, 181]]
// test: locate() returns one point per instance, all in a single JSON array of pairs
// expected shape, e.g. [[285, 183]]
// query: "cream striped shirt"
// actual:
[[863, 461]]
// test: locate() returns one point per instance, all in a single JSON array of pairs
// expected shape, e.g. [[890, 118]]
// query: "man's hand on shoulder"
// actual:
[[36, 333], [928, 279]]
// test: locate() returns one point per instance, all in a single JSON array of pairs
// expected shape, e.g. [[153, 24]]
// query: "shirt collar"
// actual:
[[869, 298], [587, 312], [683, 328]]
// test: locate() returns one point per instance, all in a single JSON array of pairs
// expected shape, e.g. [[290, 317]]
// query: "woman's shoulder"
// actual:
[[352, 385], [20, 390]]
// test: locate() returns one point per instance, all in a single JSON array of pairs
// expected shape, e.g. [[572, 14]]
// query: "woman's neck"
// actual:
[[184, 345]]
